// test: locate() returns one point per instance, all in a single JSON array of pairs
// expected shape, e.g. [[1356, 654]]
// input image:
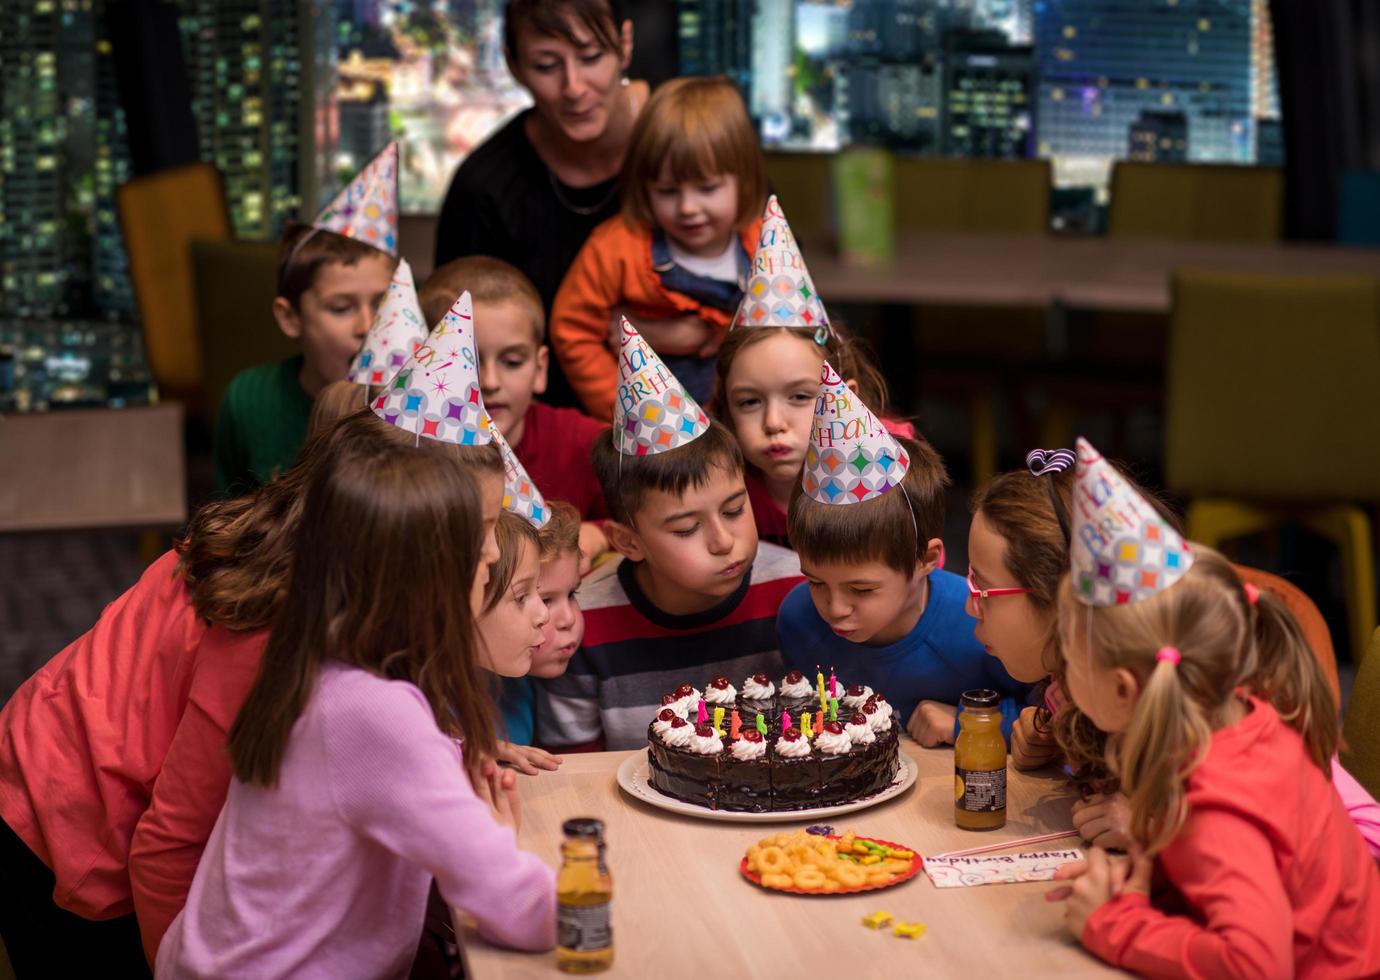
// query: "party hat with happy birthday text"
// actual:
[[652, 411], [1121, 549], [398, 330], [851, 457], [436, 392]]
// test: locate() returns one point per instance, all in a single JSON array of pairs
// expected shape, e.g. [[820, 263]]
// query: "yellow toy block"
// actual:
[[877, 920], [910, 930]]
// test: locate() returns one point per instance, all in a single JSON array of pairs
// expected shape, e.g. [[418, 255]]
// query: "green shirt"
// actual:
[[262, 425]]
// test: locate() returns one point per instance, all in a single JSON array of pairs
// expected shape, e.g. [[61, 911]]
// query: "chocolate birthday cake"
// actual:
[[773, 748]]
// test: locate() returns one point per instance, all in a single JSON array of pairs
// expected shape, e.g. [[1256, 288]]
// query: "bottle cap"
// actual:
[[584, 827], [981, 698]]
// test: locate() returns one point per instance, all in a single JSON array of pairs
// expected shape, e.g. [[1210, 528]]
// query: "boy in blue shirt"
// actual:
[[875, 607]]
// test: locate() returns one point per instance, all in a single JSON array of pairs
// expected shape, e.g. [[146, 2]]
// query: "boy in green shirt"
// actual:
[[332, 276]]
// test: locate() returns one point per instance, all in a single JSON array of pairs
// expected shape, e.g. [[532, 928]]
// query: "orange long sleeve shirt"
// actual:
[[126, 727], [614, 269]]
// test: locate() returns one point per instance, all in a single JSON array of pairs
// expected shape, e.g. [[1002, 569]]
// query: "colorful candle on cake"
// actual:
[[719, 721], [833, 684], [819, 682], [785, 720], [805, 728], [761, 724], [701, 714], [833, 709], [735, 725], [819, 721]]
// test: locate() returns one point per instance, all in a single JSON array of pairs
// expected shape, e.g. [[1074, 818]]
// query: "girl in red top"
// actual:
[[1247, 864], [113, 767], [677, 258], [764, 393]]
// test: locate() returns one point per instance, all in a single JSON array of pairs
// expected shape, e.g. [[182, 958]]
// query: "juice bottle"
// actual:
[[980, 763], [584, 894]]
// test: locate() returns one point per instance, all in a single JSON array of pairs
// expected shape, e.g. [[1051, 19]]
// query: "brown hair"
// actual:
[[894, 528], [1224, 641], [602, 18], [339, 400], [699, 127], [370, 588], [237, 554], [514, 533], [489, 280], [561, 534], [305, 250], [847, 353], [626, 480]]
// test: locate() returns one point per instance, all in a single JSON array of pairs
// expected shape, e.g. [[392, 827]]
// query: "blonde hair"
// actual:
[[1223, 639], [489, 280], [561, 534], [698, 126]]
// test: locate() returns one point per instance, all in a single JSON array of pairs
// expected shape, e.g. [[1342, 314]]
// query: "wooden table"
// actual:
[[681, 909], [1129, 275], [98, 467]]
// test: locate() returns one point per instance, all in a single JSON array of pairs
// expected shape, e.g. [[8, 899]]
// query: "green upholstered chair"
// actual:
[[1270, 413]]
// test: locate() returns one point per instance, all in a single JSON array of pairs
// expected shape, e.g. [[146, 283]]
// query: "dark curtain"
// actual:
[[1327, 55], [152, 82]]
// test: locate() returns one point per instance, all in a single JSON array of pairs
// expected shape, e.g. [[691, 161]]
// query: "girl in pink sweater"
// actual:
[[356, 755]]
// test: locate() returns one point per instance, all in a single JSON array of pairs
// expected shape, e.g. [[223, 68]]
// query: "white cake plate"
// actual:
[[634, 776]]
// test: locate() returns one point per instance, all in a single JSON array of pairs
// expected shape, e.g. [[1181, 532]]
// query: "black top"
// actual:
[[503, 202]]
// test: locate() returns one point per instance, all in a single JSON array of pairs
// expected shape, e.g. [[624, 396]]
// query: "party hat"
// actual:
[[851, 457], [398, 330], [520, 494], [1121, 550], [780, 292], [652, 411], [436, 392], [367, 209]]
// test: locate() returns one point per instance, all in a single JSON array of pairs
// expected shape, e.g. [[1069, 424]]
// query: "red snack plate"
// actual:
[[916, 863]]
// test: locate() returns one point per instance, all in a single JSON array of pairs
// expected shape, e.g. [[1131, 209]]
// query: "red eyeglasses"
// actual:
[[978, 595]]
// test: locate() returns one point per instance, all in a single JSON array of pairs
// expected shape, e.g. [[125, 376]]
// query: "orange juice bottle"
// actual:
[[980, 763], [584, 896]]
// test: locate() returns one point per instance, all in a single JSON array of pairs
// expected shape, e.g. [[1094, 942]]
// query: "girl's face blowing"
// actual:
[[511, 631]]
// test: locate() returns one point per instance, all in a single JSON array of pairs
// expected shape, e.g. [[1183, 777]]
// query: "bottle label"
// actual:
[[584, 928], [982, 791]]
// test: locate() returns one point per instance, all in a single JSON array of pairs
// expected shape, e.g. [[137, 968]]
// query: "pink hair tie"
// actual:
[[1169, 653], [1252, 593]]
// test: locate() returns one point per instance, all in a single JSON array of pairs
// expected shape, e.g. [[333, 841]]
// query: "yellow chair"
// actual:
[[1361, 727], [802, 185], [1195, 202], [1269, 415], [160, 215], [235, 285], [957, 347]]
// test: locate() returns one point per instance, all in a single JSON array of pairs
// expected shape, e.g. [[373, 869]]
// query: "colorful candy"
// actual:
[[909, 930], [877, 920]]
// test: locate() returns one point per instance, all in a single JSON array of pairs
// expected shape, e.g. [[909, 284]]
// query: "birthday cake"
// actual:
[[764, 747]]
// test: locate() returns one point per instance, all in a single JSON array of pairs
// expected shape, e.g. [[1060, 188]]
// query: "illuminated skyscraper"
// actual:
[[773, 56], [1158, 137], [62, 153], [1104, 62], [715, 38], [989, 96]]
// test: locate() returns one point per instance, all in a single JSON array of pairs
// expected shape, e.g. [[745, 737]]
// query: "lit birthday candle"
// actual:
[[833, 684], [819, 682]]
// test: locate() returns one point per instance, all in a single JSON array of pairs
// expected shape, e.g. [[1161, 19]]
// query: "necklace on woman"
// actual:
[[565, 201]]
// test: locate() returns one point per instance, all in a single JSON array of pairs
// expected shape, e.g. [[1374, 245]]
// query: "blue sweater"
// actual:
[[936, 661]]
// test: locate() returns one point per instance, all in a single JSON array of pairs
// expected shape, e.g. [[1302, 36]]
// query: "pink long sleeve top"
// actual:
[[326, 874]]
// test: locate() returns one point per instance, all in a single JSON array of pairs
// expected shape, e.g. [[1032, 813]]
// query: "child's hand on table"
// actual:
[[1096, 882], [497, 787], [1032, 742], [1104, 821], [527, 759], [932, 724]]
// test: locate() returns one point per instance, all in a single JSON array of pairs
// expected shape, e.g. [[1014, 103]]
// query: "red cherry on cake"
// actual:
[[751, 735], [678, 722], [720, 683], [668, 699], [684, 691], [794, 677], [856, 691], [833, 728], [703, 731], [667, 714], [858, 718], [880, 698], [791, 734], [870, 707], [760, 679]]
